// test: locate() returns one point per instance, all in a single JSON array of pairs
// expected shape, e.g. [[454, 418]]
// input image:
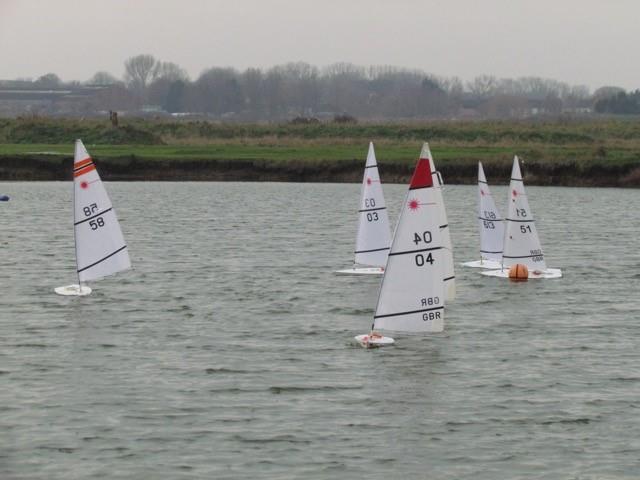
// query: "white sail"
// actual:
[[411, 296], [449, 273], [100, 246], [374, 237], [521, 243], [490, 222]]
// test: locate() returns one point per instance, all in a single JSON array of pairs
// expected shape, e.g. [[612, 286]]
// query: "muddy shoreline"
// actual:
[[131, 168]]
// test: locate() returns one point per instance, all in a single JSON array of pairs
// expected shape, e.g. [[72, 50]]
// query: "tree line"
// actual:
[[307, 93]]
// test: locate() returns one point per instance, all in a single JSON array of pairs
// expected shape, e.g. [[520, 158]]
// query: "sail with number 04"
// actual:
[[411, 298], [373, 238], [100, 246]]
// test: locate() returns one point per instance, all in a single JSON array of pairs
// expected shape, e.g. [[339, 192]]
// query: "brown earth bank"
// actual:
[[131, 168]]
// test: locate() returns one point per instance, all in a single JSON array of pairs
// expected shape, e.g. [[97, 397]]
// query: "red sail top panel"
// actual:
[[421, 175]]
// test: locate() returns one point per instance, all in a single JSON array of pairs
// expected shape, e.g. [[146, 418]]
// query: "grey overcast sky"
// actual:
[[581, 42]]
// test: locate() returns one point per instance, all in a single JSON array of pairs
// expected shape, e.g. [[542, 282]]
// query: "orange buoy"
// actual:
[[519, 273]]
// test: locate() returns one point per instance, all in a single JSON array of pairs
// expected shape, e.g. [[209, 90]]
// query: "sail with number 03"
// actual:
[[100, 246], [374, 236], [521, 242], [449, 272], [411, 298], [491, 227]]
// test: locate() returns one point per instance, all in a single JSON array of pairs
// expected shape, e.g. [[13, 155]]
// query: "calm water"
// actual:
[[226, 353]]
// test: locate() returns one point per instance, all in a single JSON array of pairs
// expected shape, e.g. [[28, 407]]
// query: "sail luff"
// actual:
[[75, 236]]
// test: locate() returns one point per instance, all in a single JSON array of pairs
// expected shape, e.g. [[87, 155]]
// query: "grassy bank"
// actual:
[[602, 153]]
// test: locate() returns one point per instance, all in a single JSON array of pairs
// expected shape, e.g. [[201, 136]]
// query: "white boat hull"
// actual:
[[73, 290], [488, 264], [548, 273], [361, 271], [376, 341]]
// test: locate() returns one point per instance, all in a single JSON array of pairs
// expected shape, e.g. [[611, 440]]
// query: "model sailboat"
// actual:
[[521, 242], [491, 227], [411, 297], [100, 246], [373, 238], [449, 273]]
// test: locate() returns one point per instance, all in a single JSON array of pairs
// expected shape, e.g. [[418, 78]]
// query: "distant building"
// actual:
[[24, 97]]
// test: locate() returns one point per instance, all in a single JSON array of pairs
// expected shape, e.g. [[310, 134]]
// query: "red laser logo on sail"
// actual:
[[369, 182], [414, 205], [84, 185]]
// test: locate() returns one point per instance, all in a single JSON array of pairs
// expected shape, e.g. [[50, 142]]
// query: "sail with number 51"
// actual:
[[521, 242], [100, 247]]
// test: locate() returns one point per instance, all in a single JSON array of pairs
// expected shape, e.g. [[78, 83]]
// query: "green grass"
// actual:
[[583, 143], [386, 153]]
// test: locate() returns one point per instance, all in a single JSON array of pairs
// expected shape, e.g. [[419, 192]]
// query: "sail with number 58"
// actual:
[[100, 246]]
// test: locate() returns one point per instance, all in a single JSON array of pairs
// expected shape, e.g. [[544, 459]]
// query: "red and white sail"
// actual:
[[449, 275], [521, 242], [100, 246], [490, 223], [411, 296], [374, 236]]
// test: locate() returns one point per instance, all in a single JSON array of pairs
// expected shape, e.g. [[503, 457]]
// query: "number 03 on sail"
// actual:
[[372, 241], [100, 246]]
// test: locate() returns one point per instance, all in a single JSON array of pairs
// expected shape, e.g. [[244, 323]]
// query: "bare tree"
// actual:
[[606, 92], [483, 86], [139, 72], [102, 78], [170, 71], [49, 80]]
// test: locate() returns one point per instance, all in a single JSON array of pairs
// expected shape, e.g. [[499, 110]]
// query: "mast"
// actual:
[[75, 239]]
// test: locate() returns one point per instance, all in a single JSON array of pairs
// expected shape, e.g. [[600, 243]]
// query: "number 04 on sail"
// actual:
[[100, 246], [412, 294]]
